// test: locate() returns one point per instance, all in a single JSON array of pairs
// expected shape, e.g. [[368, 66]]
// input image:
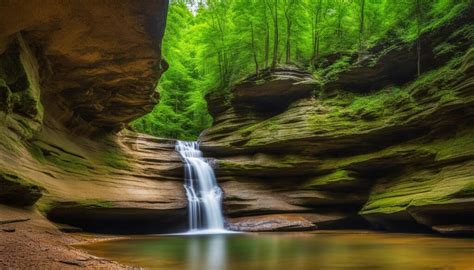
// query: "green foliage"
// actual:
[[220, 42], [182, 112]]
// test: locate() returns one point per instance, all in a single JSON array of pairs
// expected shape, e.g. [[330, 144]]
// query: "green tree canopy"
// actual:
[[211, 44]]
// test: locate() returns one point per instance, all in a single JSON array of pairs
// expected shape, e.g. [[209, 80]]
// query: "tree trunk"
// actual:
[[255, 56], [361, 27], [288, 40], [289, 23], [276, 34], [316, 32], [418, 43], [267, 38], [221, 70]]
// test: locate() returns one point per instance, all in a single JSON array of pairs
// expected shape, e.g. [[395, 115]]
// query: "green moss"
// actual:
[[265, 163], [467, 191], [442, 184], [458, 146], [46, 205], [271, 125], [68, 162], [331, 72], [448, 96], [36, 153], [379, 104], [116, 161], [437, 76], [55, 156], [334, 177]]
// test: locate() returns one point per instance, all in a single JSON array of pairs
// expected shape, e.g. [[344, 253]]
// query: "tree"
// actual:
[[254, 51], [419, 20], [361, 25], [267, 35], [273, 7], [316, 29], [289, 10]]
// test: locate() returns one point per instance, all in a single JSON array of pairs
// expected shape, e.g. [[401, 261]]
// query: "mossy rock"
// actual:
[[48, 205], [338, 178], [116, 159], [18, 191], [431, 186]]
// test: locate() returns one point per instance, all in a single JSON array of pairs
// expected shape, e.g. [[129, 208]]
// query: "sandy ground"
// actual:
[[29, 241]]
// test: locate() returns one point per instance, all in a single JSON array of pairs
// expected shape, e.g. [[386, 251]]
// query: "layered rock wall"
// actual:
[[399, 157], [72, 74]]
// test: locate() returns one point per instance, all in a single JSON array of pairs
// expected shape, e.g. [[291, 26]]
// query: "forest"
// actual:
[[212, 44]]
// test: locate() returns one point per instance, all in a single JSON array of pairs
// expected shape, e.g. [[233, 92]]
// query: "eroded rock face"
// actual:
[[128, 183], [273, 91], [99, 60], [72, 74], [397, 159]]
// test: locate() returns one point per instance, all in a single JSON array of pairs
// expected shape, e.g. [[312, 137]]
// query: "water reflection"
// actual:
[[207, 253], [292, 252]]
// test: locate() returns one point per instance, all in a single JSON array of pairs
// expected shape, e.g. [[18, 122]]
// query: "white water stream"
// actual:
[[204, 195]]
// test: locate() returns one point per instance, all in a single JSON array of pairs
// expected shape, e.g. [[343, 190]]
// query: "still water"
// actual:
[[291, 251]]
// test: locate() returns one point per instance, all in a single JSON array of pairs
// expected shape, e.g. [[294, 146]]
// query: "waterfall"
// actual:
[[204, 195]]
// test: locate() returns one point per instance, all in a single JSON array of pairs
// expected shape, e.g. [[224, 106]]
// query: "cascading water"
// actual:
[[204, 195]]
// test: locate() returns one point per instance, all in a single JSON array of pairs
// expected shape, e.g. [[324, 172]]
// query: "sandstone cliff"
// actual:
[[371, 146], [72, 74]]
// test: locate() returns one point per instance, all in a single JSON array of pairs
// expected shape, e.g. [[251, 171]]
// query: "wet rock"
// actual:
[[269, 223]]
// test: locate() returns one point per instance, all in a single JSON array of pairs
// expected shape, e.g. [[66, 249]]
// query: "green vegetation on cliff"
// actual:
[[210, 45]]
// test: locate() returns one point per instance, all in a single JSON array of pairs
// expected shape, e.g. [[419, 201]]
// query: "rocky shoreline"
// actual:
[[29, 241]]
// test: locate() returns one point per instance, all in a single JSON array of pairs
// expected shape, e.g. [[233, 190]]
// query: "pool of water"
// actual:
[[290, 251]]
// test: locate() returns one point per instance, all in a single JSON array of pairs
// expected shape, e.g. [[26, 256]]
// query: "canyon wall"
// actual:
[[73, 74], [368, 145]]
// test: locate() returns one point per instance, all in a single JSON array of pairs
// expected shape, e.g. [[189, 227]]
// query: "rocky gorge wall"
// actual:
[[366, 146], [73, 74]]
